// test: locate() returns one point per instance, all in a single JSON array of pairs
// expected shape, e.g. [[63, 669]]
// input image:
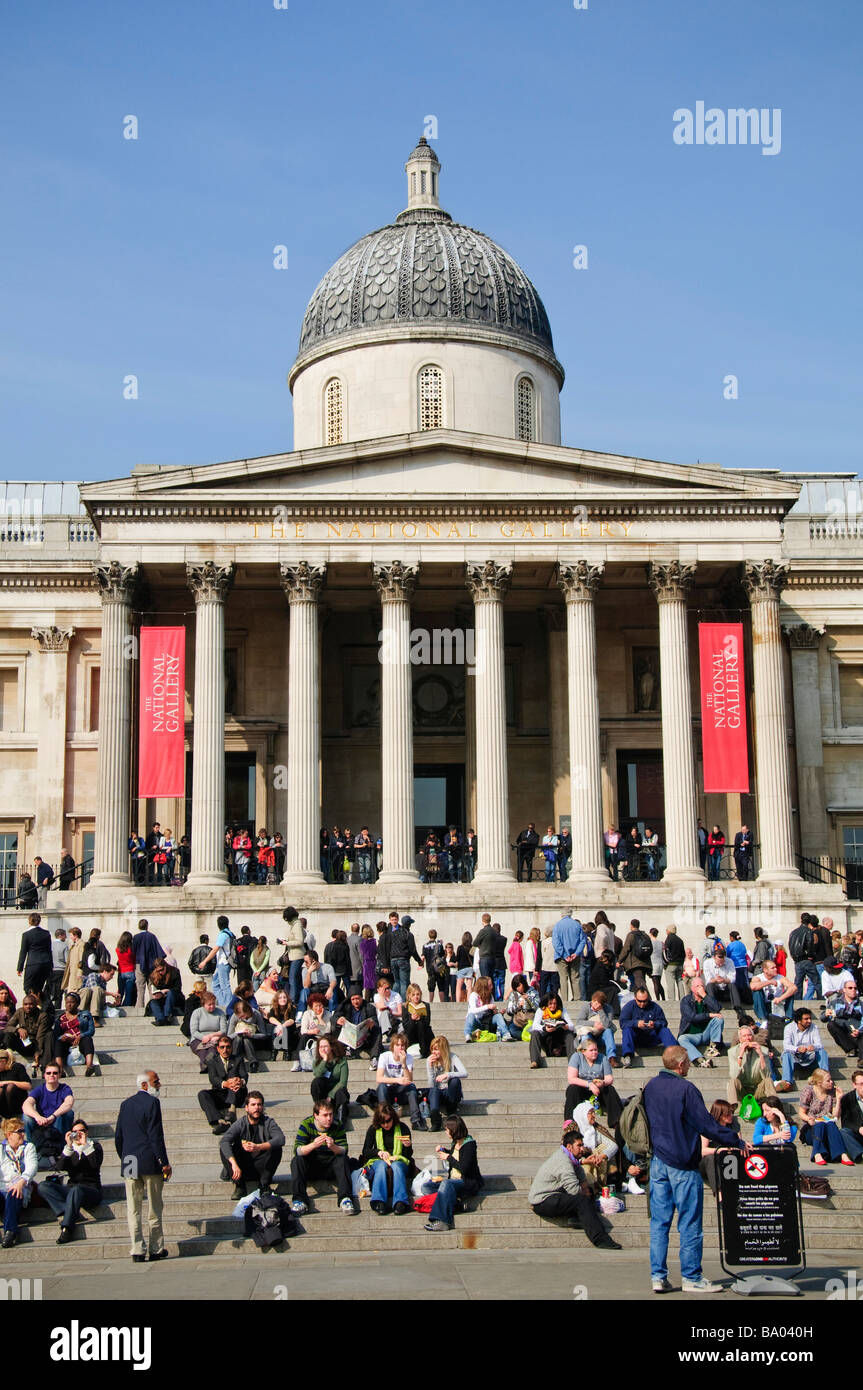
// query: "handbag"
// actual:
[[815, 1187]]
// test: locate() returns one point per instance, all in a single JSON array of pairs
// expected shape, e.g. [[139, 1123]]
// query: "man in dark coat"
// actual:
[[35, 959], [140, 1143], [526, 843], [147, 949]]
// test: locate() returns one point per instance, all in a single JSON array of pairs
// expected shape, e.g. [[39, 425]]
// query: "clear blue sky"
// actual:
[[261, 126]]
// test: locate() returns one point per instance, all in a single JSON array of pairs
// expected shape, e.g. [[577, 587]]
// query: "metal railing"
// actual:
[[826, 868], [10, 881]]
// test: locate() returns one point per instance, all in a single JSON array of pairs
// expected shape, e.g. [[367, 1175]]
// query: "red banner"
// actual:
[[723, 707], [162, 761]]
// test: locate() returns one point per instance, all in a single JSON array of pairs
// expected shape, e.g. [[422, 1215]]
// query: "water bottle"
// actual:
[[425, 1112]]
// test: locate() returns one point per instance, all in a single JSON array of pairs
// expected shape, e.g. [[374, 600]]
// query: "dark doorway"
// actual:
[[640, 791], [438, 799], [239, 792]]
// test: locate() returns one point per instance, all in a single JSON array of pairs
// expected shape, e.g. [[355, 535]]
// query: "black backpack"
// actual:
[[642, 947]]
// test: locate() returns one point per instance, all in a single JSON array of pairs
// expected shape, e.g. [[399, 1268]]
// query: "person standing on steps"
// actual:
[[35, 959], [677, 1118], [146, 949], [144, 1165]]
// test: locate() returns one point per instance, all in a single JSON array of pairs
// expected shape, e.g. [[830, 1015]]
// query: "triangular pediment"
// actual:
[[444, 465]]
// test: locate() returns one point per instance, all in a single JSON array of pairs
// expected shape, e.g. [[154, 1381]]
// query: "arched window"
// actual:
[[525, 410], [430, 398], [333, 412]]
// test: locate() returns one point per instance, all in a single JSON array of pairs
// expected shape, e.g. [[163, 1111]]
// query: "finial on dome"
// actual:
[[423, 171]]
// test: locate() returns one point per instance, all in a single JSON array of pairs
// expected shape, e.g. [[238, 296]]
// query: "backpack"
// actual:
[[231, 952], [642, 947], [268, 1220], [634, 1127]]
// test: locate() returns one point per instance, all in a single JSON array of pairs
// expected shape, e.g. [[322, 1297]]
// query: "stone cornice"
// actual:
[[373, 508], [48, 580]]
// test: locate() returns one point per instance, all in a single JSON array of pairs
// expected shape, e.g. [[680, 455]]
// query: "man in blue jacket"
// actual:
[[147, 949], [140, 1143], [643, 1024], [570, 946], [677, 1118]]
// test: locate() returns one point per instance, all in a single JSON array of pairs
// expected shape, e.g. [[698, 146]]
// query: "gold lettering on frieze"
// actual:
[[535, 528]]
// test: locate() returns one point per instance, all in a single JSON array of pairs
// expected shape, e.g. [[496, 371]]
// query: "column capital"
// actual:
[[580, 581], [53, 639], [764, 581], [802, 637], [116, 582], [210, 582], [489, 580], [302, 582], [395, 582], [672, 582]]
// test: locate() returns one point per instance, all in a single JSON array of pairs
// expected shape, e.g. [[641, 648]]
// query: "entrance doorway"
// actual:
[[239, 792], [640, 790], [438, 799]]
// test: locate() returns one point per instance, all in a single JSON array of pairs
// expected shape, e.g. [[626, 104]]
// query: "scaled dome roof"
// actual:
[[420, 270]]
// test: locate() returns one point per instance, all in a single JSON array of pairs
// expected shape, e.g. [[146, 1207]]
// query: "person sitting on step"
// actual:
[[251, 1150], [248, 1031], [560, 1189], [445, 1073], [330, 1077], [553, 1031], [81, 1161], [395, 1079], [74, 1028], [643, 1024], [700, 1022], [321, 1151], [463, 1176], [18, 1168], [387, 1157], [228, 1076], [482, 1015]]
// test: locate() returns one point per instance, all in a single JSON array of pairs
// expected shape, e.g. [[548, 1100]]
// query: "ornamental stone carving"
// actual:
[[303, 582], [53, 639], [490, 580], [209, 582], [672, 582], [116, 582], [765, 581], [802, 637], [395, 582], [580, 581]]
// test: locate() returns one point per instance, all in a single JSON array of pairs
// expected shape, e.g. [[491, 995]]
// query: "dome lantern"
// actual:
[[423, 171]]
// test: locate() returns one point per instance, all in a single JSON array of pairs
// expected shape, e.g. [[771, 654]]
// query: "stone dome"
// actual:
[[424, 269]]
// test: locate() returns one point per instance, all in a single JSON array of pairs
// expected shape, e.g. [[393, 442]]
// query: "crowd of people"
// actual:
[[578, 990]]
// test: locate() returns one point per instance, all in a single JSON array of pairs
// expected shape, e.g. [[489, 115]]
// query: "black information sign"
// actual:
[[759, 1207]]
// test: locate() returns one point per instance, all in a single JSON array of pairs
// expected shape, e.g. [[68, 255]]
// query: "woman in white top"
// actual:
[[445, 1073], [395, 1080], [481, 1012], [18, 1167]]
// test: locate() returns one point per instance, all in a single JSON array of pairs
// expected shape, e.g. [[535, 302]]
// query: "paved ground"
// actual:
[[465, 1275]]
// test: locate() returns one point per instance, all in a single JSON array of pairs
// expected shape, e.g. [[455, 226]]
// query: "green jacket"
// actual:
[[338, 1074]]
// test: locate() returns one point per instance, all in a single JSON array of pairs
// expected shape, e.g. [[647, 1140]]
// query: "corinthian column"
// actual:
[[210, 583], [579, 583], [764, 583], [805, 642], [110, 855], [395, 584], [303, 583], [488, 583], [670, 584], [51, 753]]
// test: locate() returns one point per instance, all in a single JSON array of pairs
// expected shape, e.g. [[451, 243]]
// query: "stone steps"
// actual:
[[514, 1112]]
